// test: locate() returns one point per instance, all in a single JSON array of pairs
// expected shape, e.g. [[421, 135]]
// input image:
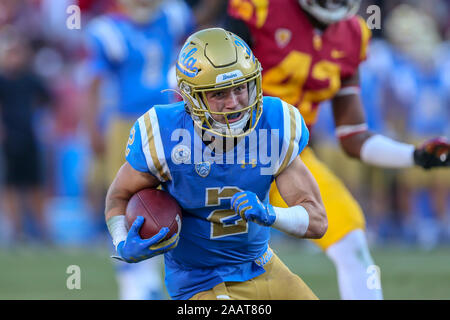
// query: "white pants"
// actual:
[[358, 276], [142, 280]]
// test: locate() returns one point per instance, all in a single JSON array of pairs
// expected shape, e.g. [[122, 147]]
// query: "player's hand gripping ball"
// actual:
[[154, 220]]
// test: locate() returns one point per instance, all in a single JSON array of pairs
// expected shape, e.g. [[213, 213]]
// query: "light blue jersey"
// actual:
[[216, 244], [139, 56]]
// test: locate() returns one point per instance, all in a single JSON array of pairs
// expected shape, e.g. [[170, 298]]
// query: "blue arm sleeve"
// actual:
[[97, 60]]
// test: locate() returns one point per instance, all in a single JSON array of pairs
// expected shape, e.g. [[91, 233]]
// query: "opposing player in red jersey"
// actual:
[[310, 51]]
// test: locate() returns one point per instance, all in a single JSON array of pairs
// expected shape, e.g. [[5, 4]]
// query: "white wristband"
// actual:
[[349, 130], [292, 220], [384, 152], [348, 91], [118, 229]]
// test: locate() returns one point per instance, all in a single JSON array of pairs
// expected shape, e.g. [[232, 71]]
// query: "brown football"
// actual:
[[159, 210]]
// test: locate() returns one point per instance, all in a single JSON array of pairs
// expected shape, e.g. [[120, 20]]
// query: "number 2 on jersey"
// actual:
[[224, 222]]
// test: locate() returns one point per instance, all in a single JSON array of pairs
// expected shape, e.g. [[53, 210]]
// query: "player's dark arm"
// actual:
[[299, 190], [127, 182], [349, 117], [375, 149], [207, 12]]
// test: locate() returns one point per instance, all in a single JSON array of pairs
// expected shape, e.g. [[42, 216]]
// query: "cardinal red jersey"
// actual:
[[301, 65]]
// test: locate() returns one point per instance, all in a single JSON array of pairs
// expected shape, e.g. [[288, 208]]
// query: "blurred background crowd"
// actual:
[[44, 99]]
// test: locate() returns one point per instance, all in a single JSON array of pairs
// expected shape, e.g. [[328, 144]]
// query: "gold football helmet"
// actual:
[[213, 59], [330, 11]]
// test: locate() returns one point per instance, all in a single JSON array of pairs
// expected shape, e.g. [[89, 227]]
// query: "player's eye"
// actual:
[[218, 95], [240, 88]]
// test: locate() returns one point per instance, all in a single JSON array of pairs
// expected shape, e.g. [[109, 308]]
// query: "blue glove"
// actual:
[[135, 249], [250, 208]]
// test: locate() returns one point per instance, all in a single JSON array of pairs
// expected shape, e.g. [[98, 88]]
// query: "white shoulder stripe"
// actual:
[[146, 148], [292, 132], [158, 143], [110, 38], [298, 133], [286, 134], [152, 146]]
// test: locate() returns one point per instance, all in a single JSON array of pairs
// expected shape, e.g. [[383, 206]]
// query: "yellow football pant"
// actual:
[[116, 142], [343, 212], [103, 169], [277, 283]]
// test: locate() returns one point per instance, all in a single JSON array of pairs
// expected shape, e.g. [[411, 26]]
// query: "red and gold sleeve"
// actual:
[[366, 35]]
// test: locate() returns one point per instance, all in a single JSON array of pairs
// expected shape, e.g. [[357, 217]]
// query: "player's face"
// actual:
[[228, 100]]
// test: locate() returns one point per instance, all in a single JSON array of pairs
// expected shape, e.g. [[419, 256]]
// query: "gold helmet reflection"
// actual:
[[213, 59]]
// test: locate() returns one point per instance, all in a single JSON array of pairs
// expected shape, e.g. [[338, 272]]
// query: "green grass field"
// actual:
[[406, 273], [40, 273]]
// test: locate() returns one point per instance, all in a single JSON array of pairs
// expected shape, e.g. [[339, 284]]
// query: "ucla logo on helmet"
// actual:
[[239, 42], [186, 62], [203, 169]]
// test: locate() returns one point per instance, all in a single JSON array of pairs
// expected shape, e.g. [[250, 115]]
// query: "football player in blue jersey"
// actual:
[[217, 153], [134, 48], [130, 53]]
